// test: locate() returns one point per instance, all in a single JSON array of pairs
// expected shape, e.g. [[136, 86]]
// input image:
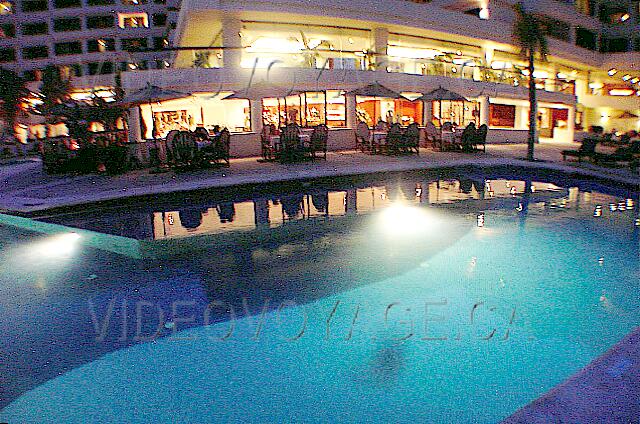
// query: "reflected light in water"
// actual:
[[404, 219]]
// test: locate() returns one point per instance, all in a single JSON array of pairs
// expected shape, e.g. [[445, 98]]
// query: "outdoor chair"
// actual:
[[452, 141], [363, 137], [393, 141], [411, 139], [468, 137], [433, 136], [290, 148], [182, 149], [268, 150], [318, 142], [218, 150], [165, 148], [480, 138], [586, 150]]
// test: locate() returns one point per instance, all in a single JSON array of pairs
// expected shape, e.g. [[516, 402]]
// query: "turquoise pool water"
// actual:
[[439, 304]]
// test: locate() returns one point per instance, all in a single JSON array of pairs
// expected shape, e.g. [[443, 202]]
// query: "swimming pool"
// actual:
[[452, 297]]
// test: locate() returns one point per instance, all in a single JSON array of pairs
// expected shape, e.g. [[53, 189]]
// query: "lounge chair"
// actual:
[[622, 154], [586, 150]]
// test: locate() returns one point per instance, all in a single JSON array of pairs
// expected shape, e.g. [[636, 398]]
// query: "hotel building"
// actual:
[[88, 40], [319, 51]]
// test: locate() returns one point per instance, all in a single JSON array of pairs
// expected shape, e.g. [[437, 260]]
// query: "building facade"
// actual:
[[320, 51], [88, 40]]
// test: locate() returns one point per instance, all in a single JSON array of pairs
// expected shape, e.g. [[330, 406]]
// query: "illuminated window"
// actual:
[[6, 8], [134, 44], [502, 115], [133, 20], [101, 45]]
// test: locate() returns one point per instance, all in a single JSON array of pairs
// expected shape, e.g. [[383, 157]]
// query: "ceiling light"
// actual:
[[624, 17], [612, 72], [635, 80], [627, 77], [620, 92]]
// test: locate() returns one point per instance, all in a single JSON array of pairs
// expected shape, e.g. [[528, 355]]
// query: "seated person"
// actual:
[[382, 126]]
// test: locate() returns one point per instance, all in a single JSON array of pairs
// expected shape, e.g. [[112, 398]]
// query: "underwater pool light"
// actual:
[[59, 245]]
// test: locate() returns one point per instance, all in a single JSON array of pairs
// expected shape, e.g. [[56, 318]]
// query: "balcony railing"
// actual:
[[213, 57]]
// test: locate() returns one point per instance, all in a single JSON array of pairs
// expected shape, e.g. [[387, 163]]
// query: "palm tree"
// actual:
[[54, 91], [530, 35], [13, 91]]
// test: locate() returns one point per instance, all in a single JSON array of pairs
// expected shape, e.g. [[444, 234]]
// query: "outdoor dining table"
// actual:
[[451, 137], [378, 137], [304, 138]]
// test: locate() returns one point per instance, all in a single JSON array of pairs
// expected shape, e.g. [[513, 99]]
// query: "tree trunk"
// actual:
[[533, 108]]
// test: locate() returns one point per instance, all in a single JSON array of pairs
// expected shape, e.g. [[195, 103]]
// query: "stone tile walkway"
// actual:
[[25, 188]]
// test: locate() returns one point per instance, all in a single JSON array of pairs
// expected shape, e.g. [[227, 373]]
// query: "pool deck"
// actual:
[[605, 391], [24, 188]]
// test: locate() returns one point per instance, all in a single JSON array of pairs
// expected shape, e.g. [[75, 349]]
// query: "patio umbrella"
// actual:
[[628, 115], [148, 95], [262, 90], [440, 94], [376, 90], [151, 94]]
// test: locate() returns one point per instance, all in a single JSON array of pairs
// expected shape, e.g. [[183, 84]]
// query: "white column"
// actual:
[[571, 124], [352, 119], [427, 112], [484, 110], [256, 116], [381, 40], [231, 40], [134, 125]]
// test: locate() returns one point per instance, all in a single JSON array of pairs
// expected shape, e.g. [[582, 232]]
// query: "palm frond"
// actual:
[[529, 33]]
